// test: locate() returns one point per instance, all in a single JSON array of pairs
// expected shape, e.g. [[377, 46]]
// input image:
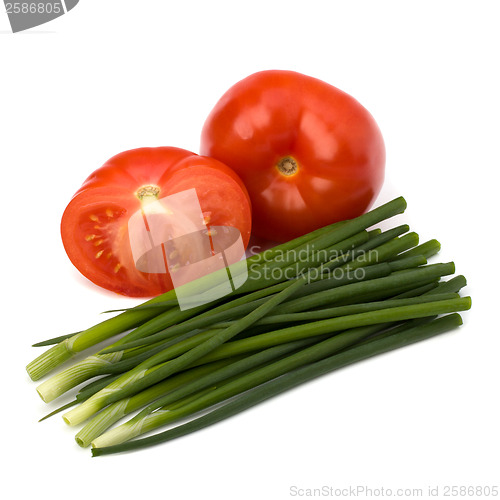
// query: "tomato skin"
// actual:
[[335, 142], [94, 225]]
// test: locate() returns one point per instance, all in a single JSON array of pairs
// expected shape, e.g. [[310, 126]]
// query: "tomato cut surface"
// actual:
[[95, 224], [308, 153]]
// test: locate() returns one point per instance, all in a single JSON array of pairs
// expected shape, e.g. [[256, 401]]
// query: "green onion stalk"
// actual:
[[145, 374], [142, 376], [320, 295], [183, 321], [174, 326], [103, 363], [250, 301], [195, 380], [262, 391]]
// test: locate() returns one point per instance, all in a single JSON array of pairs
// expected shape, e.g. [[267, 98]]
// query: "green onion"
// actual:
[[193, 381], [334, 312], [114, 412], [290, 380], [139, 377], [245, 304], [150, 418], [331, 325], [102, 363], [344, 289]]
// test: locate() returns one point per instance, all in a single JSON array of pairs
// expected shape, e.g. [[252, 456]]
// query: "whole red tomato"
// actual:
[[308, 153], [95, 229]]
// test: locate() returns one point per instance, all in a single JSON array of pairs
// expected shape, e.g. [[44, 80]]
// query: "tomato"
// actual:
[[95, 224], [308, 153]]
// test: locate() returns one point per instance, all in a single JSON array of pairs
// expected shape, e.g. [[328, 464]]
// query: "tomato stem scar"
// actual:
[[287, 166], [148, 191]]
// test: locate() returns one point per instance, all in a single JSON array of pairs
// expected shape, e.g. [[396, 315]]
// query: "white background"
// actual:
[[117, 74]]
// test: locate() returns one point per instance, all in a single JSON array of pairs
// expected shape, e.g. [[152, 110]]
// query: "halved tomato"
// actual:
[[95, 229]]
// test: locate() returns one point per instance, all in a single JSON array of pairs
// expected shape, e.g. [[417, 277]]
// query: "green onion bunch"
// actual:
[[337, 295]]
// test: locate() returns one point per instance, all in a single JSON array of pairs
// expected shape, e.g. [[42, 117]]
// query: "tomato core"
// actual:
[[148, 192], [287, 166]]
